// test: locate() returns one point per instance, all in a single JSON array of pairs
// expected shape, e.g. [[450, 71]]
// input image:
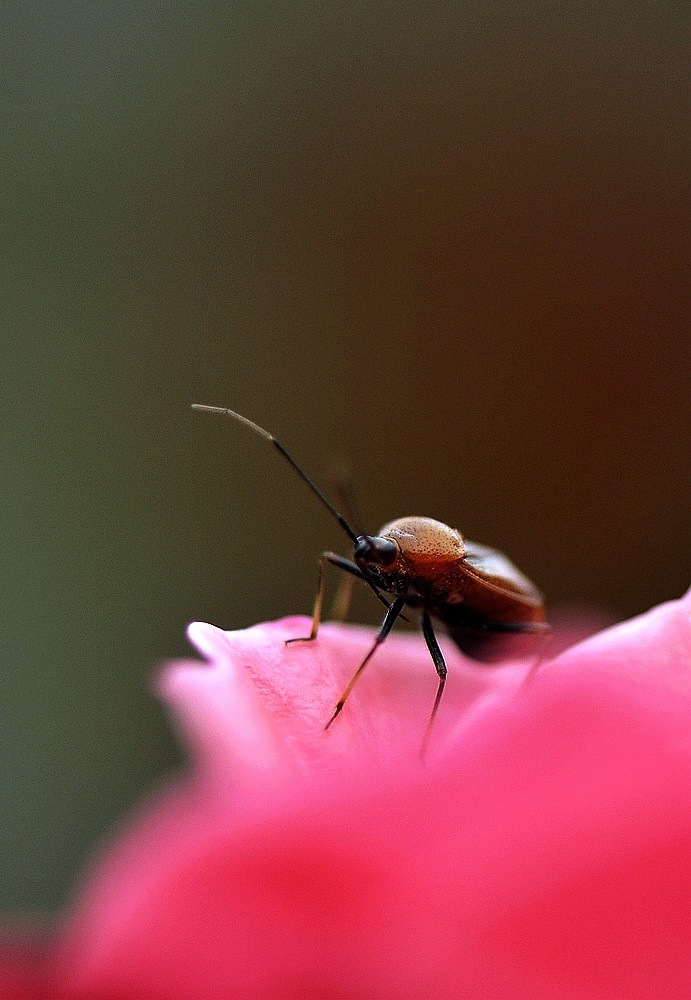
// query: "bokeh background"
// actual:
[[447, 246]]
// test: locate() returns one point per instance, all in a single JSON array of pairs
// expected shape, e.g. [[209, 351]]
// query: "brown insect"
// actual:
[[486, 605]]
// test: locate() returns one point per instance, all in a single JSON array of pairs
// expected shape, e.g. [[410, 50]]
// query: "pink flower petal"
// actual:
[[25, 972], [543, 851], [261, 706]]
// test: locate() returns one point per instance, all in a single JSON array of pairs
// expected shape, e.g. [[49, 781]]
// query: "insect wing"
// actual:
[[494, 570]]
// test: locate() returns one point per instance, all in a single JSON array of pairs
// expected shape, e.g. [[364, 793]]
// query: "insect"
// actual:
[[486, 605]]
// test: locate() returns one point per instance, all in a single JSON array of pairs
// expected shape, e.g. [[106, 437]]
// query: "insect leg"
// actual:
[[540, 655], [542, 630], [342, 563], [345, 491], [495, 642], [344, 594], [524, 628], [440, 666], [389, 619]]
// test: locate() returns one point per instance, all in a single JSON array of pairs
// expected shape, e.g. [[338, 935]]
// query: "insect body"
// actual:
[[478, 594], [489, 609]]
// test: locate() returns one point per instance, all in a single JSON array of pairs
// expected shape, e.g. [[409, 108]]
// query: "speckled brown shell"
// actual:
[[467, 586], [422, 539]]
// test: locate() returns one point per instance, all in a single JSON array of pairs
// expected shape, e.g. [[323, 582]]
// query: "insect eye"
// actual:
[[374, 549]]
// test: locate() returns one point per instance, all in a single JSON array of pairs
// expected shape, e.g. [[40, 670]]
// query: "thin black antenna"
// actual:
[[342, 485], [221, 410]]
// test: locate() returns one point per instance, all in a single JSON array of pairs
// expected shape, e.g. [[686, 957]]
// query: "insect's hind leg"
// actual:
[[495, 642], [542, 631], [342, 563], [440, 667], [546, 635]]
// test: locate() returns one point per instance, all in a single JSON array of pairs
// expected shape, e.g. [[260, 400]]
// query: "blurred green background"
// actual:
[[448, 246]]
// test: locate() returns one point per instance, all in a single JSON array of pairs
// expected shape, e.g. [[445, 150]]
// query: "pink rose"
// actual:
[[542, 851]]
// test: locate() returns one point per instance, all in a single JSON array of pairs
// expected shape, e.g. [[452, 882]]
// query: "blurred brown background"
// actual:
[[449, 247]]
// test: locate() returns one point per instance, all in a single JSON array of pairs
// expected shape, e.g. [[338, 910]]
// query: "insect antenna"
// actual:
[[342, 485], [224, 411]]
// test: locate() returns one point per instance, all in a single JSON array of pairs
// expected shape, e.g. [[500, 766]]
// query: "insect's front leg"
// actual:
[[342, 563], [393, 612]]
